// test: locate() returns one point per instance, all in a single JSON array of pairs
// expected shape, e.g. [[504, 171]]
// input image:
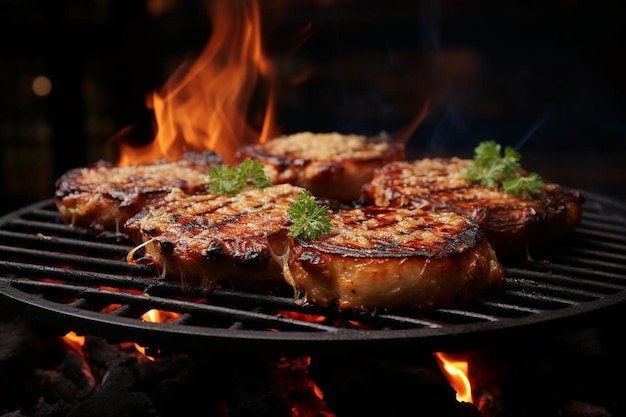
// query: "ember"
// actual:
[[43, 376], [43, 373]]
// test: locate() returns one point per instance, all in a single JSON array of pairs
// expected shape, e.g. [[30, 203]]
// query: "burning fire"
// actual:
[[155, 316], [456, 371], [76, 342], [204, 105], [291, 373]]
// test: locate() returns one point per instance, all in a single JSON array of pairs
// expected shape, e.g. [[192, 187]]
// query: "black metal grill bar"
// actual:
[[59, 243], [578, 272], [587, 283], [550, 289], [575, 254], [601, 235], [45, 228], [76, 261], [108, 279], [84, 304], [74, 273], [598, 220], [184, 319], [279, 304], [405, 320], [450, 316], [472, 316], [42, 210], [579, 240], [603, 221], [140, 303], [117, 281], [508, 310], [535, 297], [596, 267], [105, 279]]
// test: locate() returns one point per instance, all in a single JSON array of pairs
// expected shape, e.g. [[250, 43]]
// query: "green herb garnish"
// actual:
[[231, 180], [309, 219], [523, 186], [491, 168]]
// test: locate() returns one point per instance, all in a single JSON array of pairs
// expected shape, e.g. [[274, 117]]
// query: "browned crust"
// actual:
[[392, 258], [330, 165], [203, 240], [514, 226], [103, 196]]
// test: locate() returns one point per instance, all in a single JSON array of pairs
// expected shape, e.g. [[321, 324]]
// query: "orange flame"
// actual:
[[456, 371], [204, 105], [75, 342], [155, 316]]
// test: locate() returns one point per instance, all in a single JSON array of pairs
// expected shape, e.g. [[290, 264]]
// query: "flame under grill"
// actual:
[[71, 279]]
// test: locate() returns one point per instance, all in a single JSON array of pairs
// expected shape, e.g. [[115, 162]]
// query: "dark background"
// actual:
[[546, 77]]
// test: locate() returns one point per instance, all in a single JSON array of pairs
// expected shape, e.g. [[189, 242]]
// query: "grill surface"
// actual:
[[71, 279]]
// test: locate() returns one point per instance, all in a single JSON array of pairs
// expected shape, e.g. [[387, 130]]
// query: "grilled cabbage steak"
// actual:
[[103, 196], [390, 258], [330, 165], [203, 240], [515, 226]]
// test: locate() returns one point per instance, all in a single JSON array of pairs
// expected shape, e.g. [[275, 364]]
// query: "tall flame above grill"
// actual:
[[204, 104]]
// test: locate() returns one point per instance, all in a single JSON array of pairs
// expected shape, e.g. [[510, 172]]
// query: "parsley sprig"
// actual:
[[231, 180], [309, 219], [491, 168]]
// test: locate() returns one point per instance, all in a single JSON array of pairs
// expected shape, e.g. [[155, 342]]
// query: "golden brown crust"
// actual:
[[202, 240], [514, 226], [391, 258], [330, 165], [103, 196]]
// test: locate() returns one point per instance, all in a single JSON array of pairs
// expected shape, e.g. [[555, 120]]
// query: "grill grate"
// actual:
[[69, 278]]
